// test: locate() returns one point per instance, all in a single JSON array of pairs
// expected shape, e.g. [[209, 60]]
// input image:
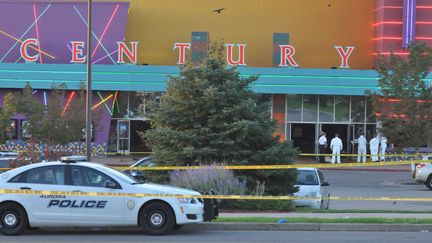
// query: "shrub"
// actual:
[[221, 181]]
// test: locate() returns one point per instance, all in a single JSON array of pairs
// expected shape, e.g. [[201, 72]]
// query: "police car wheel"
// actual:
[[157, 219], [13, 219]]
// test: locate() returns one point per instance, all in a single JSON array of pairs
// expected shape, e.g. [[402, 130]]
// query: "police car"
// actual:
[[156, 215]]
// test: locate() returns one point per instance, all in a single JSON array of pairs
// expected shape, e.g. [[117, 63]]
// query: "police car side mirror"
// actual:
[[325, 183], [110, 184]]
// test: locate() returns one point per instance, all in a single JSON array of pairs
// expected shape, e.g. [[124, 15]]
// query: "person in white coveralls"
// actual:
[[336, 146], [383, 147], [361, 150], [374, 145]]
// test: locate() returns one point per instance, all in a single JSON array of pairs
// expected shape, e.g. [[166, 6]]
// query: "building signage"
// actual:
[[286, 54], [77, 53]]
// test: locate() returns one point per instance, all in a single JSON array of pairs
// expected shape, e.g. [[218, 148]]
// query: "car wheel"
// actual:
[[157, 218], [429, 182], [13, 219]]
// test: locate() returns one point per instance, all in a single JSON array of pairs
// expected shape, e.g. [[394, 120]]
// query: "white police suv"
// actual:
[[156, 215]]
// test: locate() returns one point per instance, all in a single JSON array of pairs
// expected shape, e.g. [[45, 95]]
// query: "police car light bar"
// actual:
[[74, 158]]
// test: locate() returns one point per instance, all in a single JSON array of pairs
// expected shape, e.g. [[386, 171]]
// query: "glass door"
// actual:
[[123, 134]]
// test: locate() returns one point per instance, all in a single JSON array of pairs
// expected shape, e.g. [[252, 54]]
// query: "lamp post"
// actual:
[[89, 90]]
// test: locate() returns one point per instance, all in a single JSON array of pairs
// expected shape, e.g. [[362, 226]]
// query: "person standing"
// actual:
[[361, 150], [322, 145], [336, 146], [383, 147], [373, 145]]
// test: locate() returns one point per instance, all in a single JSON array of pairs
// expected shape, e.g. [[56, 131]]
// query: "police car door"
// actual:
[[94, 210], [42, 208]]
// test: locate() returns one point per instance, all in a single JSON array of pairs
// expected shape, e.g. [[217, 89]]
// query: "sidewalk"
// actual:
[[389, 168], [363, 227], [418, 215]]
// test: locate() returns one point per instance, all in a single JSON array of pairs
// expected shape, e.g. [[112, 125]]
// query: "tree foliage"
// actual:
[[210, 114], [6, 113], [51, 124], [404, 102]]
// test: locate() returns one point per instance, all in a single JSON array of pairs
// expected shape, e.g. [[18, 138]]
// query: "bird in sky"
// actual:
[[219, 10]]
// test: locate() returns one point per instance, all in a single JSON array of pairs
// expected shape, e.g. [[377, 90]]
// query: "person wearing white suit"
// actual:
[[336, 146], [374, 145], [361, 150], [383, 147]]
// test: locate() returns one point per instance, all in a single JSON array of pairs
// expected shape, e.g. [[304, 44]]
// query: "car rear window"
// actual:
[[306, 177]]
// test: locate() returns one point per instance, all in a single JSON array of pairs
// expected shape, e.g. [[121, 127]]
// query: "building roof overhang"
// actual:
[[154, 78]]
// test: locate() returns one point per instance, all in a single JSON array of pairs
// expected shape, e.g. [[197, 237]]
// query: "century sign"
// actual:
[[286, 53]]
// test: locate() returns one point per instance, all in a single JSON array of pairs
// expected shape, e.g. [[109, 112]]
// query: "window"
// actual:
[[310, 108], [370, 114], [120, 105], [358, 109], [294, 107], [24, 129], [51, 175], [326, 105], [11, 130], [82, 176], [342, 106], [279, 39], [306, 177], [200, 46], [20, 178]]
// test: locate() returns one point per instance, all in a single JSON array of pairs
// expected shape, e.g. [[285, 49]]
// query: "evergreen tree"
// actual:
[[404, 102], [210, 114]]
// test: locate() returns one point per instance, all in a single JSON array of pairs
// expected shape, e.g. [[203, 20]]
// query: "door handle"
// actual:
[[76, 191], [25, 188]]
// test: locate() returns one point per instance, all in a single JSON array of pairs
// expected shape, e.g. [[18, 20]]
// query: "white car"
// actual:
[[311, 183], [423, 174], [156, 215], [6, 157]]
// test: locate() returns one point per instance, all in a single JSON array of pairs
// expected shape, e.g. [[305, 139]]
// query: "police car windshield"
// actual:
[[122, 176]]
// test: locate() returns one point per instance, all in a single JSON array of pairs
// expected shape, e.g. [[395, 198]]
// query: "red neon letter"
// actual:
[[123, 49], [24, 52], [287, 53], [344, 55], [77, 50], [182, 51], [241, 55]]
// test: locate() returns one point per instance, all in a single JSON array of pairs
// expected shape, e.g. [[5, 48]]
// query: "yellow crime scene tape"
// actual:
[[277, 167], [269, 167], [228, 197], [367, 155], [238, 197]]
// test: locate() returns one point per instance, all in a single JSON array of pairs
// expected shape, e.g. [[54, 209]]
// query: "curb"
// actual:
[[313, 227], [264, 227]]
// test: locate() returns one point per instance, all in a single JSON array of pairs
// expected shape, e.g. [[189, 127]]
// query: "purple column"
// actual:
[[409, 22]]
